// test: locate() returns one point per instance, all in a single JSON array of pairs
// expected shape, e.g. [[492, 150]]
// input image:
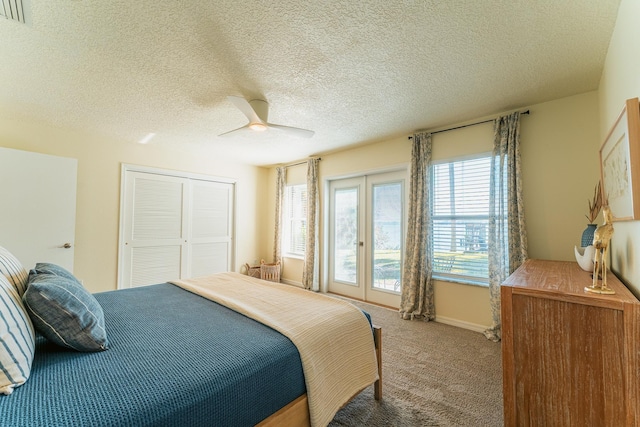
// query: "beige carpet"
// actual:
[[433, 375]]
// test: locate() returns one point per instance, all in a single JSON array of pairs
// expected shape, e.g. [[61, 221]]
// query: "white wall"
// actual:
[[621, 81], [97, 212]]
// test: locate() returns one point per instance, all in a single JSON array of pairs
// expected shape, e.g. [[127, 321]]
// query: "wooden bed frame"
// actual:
[[296, 413]]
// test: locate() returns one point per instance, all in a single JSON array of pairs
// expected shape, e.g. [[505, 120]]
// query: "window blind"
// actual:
[[296, 220], [460, 219]]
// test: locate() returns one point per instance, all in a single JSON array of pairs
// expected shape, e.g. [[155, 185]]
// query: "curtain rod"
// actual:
[[465, 126], [299, 163]]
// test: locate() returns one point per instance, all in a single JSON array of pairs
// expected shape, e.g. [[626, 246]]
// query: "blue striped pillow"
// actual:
[[11, 268], [17, 339]]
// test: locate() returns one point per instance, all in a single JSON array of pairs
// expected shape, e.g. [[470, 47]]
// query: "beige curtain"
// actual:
[[281, 182], [311, 271], [417, 286], [507, 243]]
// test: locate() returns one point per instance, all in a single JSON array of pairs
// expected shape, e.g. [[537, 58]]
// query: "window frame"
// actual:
[[288, 221], [454, 277]]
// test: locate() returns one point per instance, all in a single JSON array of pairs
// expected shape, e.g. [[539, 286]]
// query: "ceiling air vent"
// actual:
[[12, 9]]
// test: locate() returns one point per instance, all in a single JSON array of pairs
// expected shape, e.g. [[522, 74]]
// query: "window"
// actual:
[[295, 221], [460, 219]]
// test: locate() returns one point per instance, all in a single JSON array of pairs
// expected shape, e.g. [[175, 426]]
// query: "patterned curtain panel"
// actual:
[[417, 287], [311, 271], [507, 243], [281, 181]]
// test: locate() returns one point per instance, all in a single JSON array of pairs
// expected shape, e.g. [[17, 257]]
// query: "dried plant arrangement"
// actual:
[[595, 205]]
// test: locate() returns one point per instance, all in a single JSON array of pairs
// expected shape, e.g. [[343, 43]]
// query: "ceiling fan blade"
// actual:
[[257, 112], [239, 130], [246, 108], [304, 133]]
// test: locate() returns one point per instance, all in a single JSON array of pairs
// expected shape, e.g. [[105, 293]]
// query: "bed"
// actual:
[[177, 357]]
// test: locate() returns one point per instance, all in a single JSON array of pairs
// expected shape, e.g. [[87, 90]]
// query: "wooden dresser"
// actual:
[[569, 358]]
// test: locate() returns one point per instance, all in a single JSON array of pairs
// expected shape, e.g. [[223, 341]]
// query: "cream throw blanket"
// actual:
[[333, 337]]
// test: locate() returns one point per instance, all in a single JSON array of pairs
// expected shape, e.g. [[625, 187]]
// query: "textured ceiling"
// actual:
[[352, 71]]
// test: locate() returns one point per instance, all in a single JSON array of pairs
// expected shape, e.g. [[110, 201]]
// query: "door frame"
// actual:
[[348, 289], [372, 294], [326, 211]]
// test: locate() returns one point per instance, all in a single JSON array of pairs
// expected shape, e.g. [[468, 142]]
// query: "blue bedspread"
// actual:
[[175, 359]]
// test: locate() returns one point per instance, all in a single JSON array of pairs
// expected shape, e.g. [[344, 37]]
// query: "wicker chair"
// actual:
[[270, 272]]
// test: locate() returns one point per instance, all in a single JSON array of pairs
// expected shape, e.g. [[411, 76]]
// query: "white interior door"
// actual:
[[367, 217], [38, 221]]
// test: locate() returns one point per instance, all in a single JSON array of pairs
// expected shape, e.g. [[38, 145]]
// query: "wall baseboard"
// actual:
[[291, 282], [461, 324], [440, 319]]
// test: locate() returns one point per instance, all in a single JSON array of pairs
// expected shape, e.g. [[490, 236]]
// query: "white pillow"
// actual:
[[15, 273], [17, 339]]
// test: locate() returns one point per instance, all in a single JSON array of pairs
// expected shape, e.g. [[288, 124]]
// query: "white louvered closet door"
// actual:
[[154, 249], [211, 227], [173, 228]]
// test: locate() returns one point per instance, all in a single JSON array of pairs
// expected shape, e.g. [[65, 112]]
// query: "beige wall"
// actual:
[[559, 174], [621, 81], [560, 170], [98, 195]]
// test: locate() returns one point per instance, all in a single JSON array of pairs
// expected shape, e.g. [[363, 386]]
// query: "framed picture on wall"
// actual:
[[620, 164]]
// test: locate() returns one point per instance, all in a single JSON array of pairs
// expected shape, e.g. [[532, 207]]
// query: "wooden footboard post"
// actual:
[[377, 337]]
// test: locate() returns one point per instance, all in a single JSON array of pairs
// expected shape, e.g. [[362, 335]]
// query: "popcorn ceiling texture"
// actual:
[[354, 72]]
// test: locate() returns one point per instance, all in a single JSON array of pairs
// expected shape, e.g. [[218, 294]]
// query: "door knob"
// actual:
[[66, 246]]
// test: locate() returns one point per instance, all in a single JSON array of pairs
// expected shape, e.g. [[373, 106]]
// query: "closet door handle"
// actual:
[[66, 246]]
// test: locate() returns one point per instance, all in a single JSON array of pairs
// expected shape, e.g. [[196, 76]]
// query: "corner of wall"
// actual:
[[618, 83]]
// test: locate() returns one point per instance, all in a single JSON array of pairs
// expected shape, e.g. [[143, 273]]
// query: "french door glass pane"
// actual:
[[346, 235], [387, 236]]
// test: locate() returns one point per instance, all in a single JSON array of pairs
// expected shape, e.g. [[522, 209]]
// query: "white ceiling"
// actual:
[[352, 71]]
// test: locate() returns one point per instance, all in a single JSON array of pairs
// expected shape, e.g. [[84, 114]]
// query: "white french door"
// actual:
[[367, 223], [346, 238]]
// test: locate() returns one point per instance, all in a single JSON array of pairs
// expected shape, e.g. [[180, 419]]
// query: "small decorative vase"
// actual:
[[587, 235], [585, 257]]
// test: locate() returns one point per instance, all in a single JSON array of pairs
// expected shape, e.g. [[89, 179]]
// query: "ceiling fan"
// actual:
[[257, 111]]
